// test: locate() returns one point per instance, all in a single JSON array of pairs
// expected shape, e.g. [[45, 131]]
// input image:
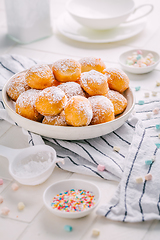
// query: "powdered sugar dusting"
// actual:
[[17, 85], [53, 94], [92, 76], [117, 72], [71, 89], [66, 64], [100, 106], [92, 61], [27, 98], [39, 70]]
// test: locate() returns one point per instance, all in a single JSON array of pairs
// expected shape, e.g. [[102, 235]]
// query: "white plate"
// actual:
[[66, 185], [68, 132], [138, 70], [68, 27]]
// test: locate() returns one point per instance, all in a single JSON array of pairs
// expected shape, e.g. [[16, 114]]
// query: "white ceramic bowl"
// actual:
[[68, 132], [102, 14], [66, 185], [138, 70]]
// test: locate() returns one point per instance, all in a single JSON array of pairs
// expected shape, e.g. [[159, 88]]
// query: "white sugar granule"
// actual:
[[33, 165]]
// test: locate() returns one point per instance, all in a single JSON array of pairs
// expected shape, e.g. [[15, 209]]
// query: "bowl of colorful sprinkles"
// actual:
[[139, 61], [73, 198]]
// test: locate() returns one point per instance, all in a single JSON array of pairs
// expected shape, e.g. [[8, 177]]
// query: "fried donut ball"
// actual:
[[117, 79], [71, 89], [58, 120], [78, 111], [50, 101], [103, 110], [17, 85], [94, 83], [39, 77], [118, 100], [25, 105], [92, 63], [66, 70]]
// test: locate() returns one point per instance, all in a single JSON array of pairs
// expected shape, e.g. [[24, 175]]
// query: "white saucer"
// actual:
[[68, 27]]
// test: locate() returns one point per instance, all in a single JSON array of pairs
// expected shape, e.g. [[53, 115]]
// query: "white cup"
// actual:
[[103, 14]]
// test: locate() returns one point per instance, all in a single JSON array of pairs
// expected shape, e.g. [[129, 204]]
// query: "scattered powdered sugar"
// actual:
[[100, 106], [40, 70], [17, 85], [52, 94], [66, 64], [93, 76], [92, 61], [118, 73], [71, 89], [33, 165], [83, 107], [27, 98]]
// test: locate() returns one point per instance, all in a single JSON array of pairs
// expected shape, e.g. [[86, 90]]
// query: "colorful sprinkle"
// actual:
[[157, 145], [140, 102], [139, 180], [149, 115], [73, 200], [1, 199], [5, 211], [138, 60], [158, 126], [15, 186], [21, 206], [148, 162], [95, 232], [117, 149], [155, 111], [158, 84], [1, 181], [68, 228], [154, 94], [146, 94], [100, 167], [148, 177], [154, 158], [137, 88]]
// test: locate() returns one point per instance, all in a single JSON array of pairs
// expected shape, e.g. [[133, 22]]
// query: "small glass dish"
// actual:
[[67, 185], [138, 70]]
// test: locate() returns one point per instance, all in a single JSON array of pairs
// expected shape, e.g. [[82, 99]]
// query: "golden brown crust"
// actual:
[[92, 63], [25, 105], [78, 111], [17, 85], [117, 79], [58, 120], [50, 101], [118, 100], [103, 110], [94, 83], [67, 70], [39, 77]]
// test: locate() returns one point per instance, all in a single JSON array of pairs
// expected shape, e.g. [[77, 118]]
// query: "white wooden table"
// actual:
[[36, 222]]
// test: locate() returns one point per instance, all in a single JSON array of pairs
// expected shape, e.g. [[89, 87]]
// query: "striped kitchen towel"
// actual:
[[138, 140], [137, 197]]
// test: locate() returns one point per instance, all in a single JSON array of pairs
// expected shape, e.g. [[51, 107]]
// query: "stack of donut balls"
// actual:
[[69, 92]]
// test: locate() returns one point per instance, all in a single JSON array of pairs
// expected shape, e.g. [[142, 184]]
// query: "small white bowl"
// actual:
[[103, 14], [138, 70], [65, 185]]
